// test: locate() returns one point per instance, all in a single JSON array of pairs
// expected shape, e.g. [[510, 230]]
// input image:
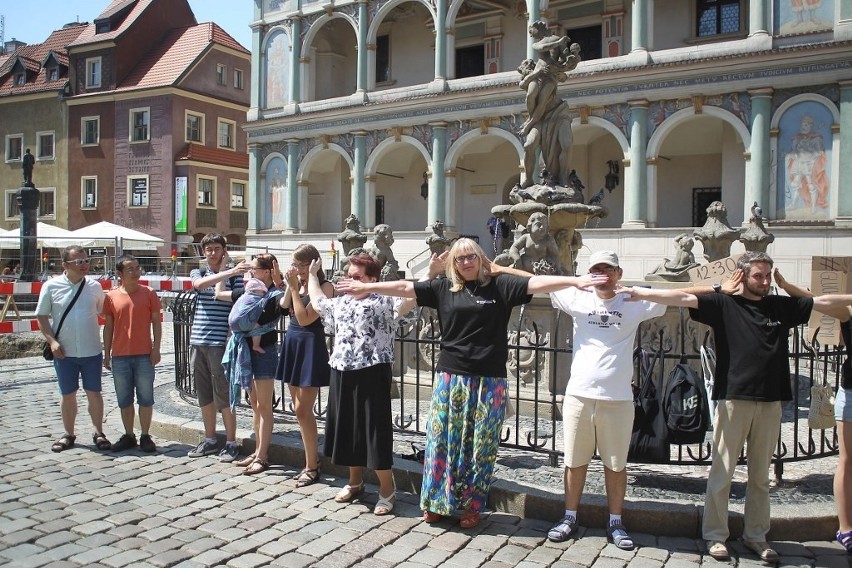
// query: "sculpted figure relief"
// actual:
[[536, 250], [382, 252], [676, 269], [351, 237], [437, 242], [716, 235]]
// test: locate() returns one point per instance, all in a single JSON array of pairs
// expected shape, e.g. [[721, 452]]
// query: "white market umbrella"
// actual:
[[48, 236], [106, 234]]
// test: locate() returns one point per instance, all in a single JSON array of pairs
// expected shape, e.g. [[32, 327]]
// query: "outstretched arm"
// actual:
[[677, 298], [398, 288], [542, 284], [835, 305]]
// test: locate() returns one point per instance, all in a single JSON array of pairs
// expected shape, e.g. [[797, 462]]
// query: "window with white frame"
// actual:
[[14, 147], [238, 194], [226, 133], [221, 73], [137, 191], [90, 130], [140, 120], [194, 127], [206, 191], [89, 192], [46, 204], [93, 72], [238, 78], [45, 145]]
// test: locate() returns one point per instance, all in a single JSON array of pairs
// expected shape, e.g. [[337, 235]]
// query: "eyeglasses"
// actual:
[[603, 270], [78, 261], [466, 258], [357, 277]]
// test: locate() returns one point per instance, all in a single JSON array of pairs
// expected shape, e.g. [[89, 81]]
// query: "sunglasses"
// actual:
[[78, 261]]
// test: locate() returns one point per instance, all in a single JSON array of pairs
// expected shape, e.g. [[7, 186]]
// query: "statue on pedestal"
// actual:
[[756, 238], [536, 250], [28, 165], [716, 235], [437, 242], [382, 252], [351, 238], [676, 269]]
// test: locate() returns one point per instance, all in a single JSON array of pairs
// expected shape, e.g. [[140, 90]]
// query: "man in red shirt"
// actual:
[[132, 313]]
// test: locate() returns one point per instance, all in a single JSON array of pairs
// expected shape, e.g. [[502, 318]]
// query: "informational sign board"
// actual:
[[829, 275], [714, 272], [96, 251]]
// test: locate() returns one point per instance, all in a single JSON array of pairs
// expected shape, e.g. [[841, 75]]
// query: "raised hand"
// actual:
[[590, 280]]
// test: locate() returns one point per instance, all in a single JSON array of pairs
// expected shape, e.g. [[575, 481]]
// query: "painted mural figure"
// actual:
[[806, 167], [549, 127], [276, 191]]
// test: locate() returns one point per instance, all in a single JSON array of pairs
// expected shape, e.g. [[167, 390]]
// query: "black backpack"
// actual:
[[685, 406]]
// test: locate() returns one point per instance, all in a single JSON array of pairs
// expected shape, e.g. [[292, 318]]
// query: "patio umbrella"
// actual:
[[48, 236], [106, 234]]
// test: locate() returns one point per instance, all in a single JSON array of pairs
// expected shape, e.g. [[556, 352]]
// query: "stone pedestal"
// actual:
[[28, 198]]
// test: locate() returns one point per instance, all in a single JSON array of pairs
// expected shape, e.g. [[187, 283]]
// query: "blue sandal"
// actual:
[[845, 538]]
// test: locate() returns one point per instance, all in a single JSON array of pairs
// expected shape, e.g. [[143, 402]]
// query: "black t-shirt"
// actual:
[[846, 333], [752, 343], [271, 312], [473, 322]]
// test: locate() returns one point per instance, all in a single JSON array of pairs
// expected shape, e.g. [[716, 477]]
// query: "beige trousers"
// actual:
[[738, 422]]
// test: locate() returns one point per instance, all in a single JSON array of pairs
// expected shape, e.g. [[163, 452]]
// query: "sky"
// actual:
[[32, 22]]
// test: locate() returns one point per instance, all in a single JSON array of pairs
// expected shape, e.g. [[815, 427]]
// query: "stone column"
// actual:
[[28, 198], [257, 71], [450, 220], [293, 201], [437, 198], [362, 82], [441, 41], [370, 191], [257, 202], [639, 26], [758, 18], [844, 197], [757, 188], [635, 182], [359, 193], [296, 61]]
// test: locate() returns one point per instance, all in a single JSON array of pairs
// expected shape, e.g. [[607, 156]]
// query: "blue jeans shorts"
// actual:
[[69, 370], [843, 405], [263, 365], [133, 372]]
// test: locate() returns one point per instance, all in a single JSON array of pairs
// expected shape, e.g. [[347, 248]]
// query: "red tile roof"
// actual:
[[89, 35], [175, 54], [199, 153], [37, 53]]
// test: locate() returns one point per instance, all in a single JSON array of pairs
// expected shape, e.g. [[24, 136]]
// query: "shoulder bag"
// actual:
[[46, 351]]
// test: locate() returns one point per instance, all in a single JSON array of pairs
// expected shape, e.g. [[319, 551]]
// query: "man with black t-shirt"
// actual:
[[752, 380]]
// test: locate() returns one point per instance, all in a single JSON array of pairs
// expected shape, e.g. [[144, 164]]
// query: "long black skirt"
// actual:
[[359, 428]]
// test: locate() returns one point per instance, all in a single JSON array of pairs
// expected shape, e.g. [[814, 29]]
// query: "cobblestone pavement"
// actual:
[[82, 507]]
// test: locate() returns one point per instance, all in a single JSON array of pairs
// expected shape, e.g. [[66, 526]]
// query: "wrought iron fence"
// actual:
[[534, 424]]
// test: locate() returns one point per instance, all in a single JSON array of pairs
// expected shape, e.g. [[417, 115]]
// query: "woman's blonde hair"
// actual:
[[462, 247]]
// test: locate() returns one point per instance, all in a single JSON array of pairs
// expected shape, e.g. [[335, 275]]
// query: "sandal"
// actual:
[[469, 519], [308, 476], [246, 461], [617, 535], [100, 441], [385, 504], [845, 538], [66, 442], [255, 467], [431, 517], [349, 492]]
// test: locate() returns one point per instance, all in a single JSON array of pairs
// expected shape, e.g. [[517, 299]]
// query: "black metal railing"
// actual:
[[535, 425]]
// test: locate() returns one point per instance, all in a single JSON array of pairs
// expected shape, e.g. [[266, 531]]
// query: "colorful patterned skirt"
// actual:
[[462, 439]]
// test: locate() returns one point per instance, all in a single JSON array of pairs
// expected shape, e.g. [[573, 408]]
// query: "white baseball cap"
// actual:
[[603, 257]]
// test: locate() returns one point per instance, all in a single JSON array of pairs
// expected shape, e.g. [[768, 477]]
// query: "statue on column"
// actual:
[[28, 165]]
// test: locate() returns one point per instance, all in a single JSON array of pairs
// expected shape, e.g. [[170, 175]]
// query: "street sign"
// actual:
[[99, 251]]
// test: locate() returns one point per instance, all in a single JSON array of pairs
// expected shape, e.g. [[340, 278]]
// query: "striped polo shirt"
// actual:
[[210, 324]]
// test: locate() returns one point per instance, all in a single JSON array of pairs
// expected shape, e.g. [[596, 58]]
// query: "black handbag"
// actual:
[[649, 440], [46, 351]]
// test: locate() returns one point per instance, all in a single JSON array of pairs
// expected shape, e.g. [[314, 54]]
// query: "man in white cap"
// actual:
[[599, 394]]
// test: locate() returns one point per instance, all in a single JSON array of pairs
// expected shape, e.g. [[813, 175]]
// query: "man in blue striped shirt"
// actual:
[[207, 345]]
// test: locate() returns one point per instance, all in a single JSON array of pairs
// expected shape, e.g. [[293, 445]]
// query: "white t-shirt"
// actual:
[[80, 335], [604, 332]]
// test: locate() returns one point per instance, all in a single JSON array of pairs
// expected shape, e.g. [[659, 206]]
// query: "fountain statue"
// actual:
[[755, 237], [716, 235], [437, 242], [536, 251], [351, 238], [676, 269], [558, 196], [381, 250]]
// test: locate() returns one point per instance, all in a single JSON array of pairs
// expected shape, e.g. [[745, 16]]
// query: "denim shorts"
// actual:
[[843, 405], [70, 369], [263, 365], [133, 373]]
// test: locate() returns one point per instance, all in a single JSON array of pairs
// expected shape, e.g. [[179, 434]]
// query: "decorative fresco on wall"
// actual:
[[804, 162], [276, 177], [803, 16], [277, 69]]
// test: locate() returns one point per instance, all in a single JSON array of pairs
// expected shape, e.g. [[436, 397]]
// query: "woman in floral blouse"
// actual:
[[469, 394], [359, 428]]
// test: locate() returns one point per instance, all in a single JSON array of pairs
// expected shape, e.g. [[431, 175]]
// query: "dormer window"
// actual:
[[20, 79], [52, 74]]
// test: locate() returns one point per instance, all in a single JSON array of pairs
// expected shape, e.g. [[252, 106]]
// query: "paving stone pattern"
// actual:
[[83, 507]]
